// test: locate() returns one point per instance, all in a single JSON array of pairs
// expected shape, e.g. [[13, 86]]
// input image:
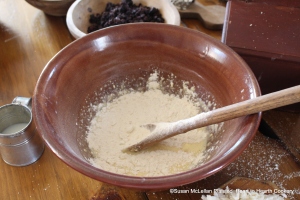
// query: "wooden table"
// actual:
[[29, 39]]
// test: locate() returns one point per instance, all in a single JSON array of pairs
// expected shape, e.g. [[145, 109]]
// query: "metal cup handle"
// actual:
[[25, 101]]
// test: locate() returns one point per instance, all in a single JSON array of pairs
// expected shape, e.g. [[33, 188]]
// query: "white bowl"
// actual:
[[79, 13]]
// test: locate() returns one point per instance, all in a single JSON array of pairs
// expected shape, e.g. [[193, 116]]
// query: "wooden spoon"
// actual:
[[164, 130]]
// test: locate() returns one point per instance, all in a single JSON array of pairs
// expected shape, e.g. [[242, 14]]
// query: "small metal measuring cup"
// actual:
[[20, 144]]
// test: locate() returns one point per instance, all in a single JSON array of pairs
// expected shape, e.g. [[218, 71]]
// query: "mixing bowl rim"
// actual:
[[145, 183]]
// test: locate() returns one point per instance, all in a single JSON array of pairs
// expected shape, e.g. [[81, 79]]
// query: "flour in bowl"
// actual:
[[117, 125]]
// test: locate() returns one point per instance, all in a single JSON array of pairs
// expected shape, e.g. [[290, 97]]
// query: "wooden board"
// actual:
[[243, 183], [248, 184], [286, 126], [212, 16], [265, 35]]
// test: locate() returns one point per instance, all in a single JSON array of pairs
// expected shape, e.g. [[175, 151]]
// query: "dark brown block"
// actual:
[[266, 34]]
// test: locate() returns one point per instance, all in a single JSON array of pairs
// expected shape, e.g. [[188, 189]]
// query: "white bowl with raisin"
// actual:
[[80, 12]]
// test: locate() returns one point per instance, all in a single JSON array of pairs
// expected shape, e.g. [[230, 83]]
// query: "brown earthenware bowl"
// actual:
[[52, 7], [68, 83]]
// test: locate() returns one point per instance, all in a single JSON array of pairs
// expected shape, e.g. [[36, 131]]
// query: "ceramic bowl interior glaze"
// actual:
[[79, 13], [54, 7], [68, 83]]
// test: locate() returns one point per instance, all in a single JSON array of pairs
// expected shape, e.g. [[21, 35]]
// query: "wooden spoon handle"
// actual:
[[251, 106]]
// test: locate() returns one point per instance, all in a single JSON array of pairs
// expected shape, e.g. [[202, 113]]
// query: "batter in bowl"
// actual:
[[117, 124]]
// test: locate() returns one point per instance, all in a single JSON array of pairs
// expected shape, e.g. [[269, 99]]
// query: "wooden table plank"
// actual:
[[28, 39], [265, 159], [48, 178], [285, 125]]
